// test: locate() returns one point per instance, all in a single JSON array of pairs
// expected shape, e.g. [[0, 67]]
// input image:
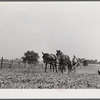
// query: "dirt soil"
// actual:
[[34, 77]]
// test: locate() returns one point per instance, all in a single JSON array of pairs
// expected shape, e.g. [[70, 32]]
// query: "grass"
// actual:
[[34, 77]]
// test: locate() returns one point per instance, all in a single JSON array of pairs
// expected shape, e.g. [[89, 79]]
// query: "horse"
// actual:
[[49, 59], [64, 60]]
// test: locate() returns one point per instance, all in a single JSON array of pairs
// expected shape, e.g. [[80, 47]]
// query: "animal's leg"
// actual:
[[53, 67], [59, 68], [50, 67], [56, 69], [74, 69], [68, 70], [62, 69], [70, 67], [45, 67]]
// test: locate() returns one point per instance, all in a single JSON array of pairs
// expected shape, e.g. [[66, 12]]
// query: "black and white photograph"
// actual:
[[50, 45]]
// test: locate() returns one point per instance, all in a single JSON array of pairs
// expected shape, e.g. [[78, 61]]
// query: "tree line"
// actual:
[[32, 57]]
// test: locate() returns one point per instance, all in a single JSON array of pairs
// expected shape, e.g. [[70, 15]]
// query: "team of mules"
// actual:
[[59, 62]]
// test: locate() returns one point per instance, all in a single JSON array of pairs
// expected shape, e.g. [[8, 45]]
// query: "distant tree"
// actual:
[[30, 57], [85, 63], [88, 61], [95, 61], [99, 62], [24, 59]]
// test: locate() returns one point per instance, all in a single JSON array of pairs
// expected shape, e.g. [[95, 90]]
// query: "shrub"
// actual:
[[30, 57], [85, 63]]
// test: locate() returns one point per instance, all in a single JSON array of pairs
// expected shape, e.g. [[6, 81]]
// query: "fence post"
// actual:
[[1, 62], [11, 64]]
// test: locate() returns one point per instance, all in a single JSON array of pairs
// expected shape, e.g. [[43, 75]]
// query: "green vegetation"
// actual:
[[30, 57]]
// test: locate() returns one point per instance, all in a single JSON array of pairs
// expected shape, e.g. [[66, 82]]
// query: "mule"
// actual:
[[49, 59], [64, 60]]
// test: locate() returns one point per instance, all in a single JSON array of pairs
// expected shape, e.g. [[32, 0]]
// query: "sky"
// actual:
[[72, 27]]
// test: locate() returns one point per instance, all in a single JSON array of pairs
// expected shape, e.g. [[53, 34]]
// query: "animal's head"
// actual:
[[45, 57], [74, 56], [58, 53]]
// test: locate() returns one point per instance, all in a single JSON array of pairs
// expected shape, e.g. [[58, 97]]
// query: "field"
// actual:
[[34, 77]]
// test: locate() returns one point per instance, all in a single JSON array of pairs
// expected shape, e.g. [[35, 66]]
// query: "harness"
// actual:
[[51, 61]]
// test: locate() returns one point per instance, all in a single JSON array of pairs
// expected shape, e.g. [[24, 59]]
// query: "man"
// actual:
[[75, 63], [74, 60]]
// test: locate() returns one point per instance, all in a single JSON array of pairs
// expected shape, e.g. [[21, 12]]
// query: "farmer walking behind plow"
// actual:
[[75, 63]]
